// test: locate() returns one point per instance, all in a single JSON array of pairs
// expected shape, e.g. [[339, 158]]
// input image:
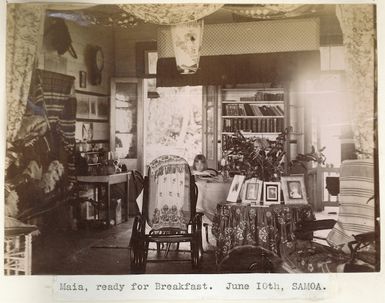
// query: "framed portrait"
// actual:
[[251, 191], [271, 193], [235, 188], [294, 191], [82, 79]]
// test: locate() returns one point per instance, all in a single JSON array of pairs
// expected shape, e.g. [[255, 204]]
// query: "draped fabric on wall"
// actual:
[[170, 14], [23, 26], [60, 105], [357, 24]]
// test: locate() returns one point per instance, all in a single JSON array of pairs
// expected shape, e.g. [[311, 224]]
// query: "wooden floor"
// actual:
[[95, 251]]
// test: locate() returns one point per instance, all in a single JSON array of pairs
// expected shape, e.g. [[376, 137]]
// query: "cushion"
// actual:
[[356, 213]]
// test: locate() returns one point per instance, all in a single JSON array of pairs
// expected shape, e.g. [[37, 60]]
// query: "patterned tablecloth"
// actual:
[[239, 224]]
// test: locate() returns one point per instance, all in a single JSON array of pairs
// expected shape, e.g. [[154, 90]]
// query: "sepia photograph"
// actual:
[[235, 188], [294, 191], [271, 193], [181, 107], [252, 190]]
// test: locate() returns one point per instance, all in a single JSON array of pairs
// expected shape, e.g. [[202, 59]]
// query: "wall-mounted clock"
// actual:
[[95, 63]]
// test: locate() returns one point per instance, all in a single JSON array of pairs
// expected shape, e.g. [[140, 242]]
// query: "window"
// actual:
[[172, 121]]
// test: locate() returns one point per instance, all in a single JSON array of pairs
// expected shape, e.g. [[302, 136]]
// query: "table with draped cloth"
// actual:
[[240, 224]]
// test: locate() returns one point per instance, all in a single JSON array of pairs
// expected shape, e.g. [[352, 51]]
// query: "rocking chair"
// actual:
[[169, 201]]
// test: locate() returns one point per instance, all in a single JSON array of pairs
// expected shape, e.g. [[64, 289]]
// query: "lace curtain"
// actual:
[[23, 28], [170, 14], [357, 26], [271, 11]]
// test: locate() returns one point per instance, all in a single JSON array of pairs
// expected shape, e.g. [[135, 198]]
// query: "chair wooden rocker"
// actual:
[[169, 201], [351, 241]]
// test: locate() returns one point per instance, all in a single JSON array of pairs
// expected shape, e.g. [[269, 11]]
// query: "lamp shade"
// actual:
[[187, 42]]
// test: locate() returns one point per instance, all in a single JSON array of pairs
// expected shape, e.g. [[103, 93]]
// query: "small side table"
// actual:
[[107, 181], [18, 247]]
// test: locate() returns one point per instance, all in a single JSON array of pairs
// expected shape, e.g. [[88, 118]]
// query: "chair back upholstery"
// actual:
[[169, 199], [356, 212]]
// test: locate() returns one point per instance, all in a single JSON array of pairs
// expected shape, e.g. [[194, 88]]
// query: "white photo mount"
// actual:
[[271, 193], [235, 188], [251, 191], [294, 190]]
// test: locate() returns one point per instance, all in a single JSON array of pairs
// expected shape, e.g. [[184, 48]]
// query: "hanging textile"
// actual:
[[23, 27], [170, 14], [60, 106], [357, 25]]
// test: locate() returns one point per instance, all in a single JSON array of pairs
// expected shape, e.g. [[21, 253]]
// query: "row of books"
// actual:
[[261, 96], [252, 110], [266, 125]]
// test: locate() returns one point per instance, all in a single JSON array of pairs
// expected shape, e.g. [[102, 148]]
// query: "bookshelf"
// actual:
[[254, 111]]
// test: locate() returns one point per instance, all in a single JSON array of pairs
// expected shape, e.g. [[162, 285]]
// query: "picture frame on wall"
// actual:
[[145, 55], [103, 108], [82, 107], [93, 107], [82, 79], [251, 191], [294, 190], [235, 188], [150, 62], [271, 193]]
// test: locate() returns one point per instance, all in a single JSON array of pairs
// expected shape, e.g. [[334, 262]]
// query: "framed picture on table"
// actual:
[[251, 191], [294, 191], [271, 193], [235, 188]]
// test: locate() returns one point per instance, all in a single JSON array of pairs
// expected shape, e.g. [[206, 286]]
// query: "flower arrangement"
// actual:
[[256, 157], [313, 156]]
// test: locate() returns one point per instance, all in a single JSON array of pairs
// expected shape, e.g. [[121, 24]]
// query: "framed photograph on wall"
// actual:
[[82, 107], [294, 191], [82, 79], [271, 193], [150, 61], [251, 191], [103, 108], [235, 188], [93, 107], [146, 59]]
